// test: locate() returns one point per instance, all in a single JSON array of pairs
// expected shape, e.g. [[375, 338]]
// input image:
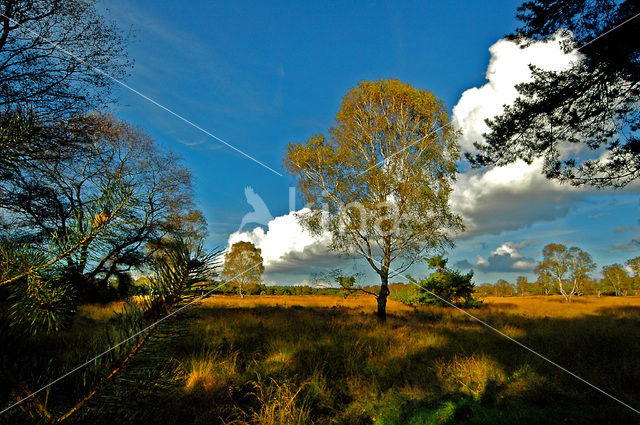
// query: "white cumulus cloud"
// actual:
[[506, 258], [509, 65], [511, 197], [287, 246]]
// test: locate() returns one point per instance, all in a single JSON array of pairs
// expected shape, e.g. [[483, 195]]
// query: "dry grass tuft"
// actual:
[[470, 375], [210, 371], [280, 404]]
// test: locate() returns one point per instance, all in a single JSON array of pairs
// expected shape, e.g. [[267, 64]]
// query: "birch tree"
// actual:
[[565, 267], [380, 181]]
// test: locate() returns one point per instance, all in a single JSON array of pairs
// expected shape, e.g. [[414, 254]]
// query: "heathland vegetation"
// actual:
[[320, 359], [113, 311]]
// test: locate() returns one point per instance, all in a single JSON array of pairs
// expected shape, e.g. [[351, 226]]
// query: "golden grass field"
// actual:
[[532, 306], [326, 359], [320, 359]]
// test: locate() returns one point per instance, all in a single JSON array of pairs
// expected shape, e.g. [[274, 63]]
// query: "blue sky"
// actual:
[[261, 75]]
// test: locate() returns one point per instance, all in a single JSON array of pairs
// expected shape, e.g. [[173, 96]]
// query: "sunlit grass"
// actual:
[[101, 312], [327, 360], [469, 375], [210, 370], [556, 306]]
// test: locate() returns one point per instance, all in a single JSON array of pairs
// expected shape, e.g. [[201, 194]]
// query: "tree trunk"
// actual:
[[567, 295], [382, 297]]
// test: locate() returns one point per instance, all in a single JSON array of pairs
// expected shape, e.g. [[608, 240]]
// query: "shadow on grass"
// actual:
[[430, 364], [623, 310], [313, 365]]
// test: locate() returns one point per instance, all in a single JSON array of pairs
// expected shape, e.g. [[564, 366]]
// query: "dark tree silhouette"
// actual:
[[592, 106], [105, 200], [49, 50]]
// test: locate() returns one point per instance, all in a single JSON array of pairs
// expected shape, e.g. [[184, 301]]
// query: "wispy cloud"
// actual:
[[632, 246]]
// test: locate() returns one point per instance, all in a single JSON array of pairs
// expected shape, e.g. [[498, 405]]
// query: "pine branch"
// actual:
[[109, 377], [87, 239]]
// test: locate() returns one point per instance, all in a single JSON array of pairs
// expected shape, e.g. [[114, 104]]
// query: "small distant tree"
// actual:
[[483, 290], [544, 283], [633, 266], [565, 267], [601, 287], [580, 265], [446, 286], [243, 266], [617, 279], [522, 285], [503, 288], [589, 286]]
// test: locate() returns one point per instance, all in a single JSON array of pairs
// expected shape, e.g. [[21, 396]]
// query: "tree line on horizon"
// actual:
[[569, 272], [563, 271]]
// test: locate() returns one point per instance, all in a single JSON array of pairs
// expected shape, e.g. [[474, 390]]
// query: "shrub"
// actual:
[[445, 287]]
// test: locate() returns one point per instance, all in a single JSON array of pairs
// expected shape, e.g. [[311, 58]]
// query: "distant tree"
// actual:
[[348, 283], [544, 283], [565, 267], [484, 290], [580, 265], [589, 286], [380, 183], [252, 288], [593, 104], [522, 285], [616, 278], [502, 288], [243, 266], [633, 265], [601, 286]]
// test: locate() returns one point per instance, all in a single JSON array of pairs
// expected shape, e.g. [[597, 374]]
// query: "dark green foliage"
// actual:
[[593, 104], [181, 272], [445, 287], [346, 282], [21, 137], [42, 300], [178, 272], [42, 303], [149, 379]]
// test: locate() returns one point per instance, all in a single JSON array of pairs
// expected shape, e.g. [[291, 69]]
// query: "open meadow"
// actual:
[[302, 213], [326, 360]]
